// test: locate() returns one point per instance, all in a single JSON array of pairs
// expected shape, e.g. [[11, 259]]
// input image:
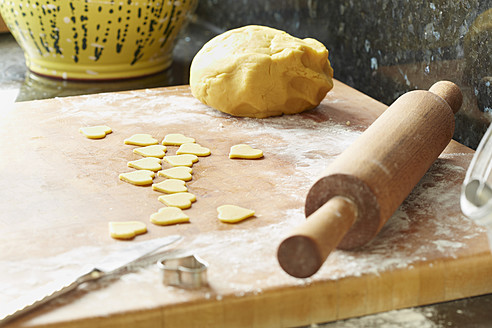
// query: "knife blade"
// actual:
[[112, 264]]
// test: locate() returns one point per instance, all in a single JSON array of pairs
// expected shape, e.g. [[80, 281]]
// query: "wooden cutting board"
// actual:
[[60, 190]]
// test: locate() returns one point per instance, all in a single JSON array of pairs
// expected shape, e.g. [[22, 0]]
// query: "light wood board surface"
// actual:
[[60, 190]]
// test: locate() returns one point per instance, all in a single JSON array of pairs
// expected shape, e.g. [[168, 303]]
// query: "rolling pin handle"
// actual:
[[303, 252], [450, 92]]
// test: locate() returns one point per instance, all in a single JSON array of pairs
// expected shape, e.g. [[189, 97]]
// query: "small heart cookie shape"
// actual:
[[182, 160], [181, 200], [158, 151], [178, 172], [176, 139], [169, 215], [245, 151], [233, 213], [141, 139], [193, 148], [139, 177], [95, 132], [170, 186], [126, 230], [147, 163]]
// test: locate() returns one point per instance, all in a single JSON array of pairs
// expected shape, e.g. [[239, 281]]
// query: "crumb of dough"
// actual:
[[233, 213], [170, 186], [158, 151], [182, 160], [176, 139], [95, 132], [126, 230], [168, 216], [245, 151], [141, 139], [139, 177], [193, 148], [178, 172], [181, 200], [147, 163]]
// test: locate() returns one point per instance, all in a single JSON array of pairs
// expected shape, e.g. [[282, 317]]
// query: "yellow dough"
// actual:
[[176, 139], [193, 148], [147, 163], [126, 230], [141, 139], [233, 213], [181, 200], [95, 132], [170, 186], [169, 215], [158, 151], [245, 151], [182, 160], [257, 71], [139, 177], [178, 172]]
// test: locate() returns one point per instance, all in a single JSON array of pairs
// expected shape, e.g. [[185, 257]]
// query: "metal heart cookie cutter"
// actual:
[[186, 271]]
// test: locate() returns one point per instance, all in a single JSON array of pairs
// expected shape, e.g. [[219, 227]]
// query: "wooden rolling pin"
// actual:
[[365, 185]]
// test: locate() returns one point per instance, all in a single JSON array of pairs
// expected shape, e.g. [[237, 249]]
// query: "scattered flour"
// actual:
[[406, 318]]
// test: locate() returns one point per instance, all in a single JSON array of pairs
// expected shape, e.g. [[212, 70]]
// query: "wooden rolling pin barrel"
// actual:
[[365, 185]]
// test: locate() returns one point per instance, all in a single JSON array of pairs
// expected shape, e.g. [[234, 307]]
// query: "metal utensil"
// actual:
[[112, 264], [185, 271], [476, 194]]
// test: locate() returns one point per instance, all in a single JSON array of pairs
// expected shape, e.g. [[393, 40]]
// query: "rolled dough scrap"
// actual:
[[126, 230], [158, 151], [245, 151], [233, 213], [169, 215], [181, 200], [139, 177], [193, 148], [147, 163], [181, 160], [170, 186], [141, 139], [178, 172], [176, 139], [258, 71], [95, 132]]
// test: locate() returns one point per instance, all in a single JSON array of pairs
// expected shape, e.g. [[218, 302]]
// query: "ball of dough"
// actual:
[[257, 71]]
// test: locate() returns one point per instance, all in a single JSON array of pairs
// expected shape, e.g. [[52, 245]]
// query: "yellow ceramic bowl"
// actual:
[[96, 39]]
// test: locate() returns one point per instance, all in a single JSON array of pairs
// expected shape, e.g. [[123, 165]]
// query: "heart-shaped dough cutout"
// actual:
[[169, 215], [181, 200], [126, 230], [141, 139], [147, 163], [193, 148], [139, 177], [178, 172], [245, 151], [95, 132], [182, 160], [233, 213], [151, 151], [176, 139], [170, 186]]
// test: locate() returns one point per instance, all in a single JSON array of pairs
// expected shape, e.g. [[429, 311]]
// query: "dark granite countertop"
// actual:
[[382, 62]]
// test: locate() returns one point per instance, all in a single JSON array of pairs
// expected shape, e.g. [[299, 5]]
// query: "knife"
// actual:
[[112, 264]]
